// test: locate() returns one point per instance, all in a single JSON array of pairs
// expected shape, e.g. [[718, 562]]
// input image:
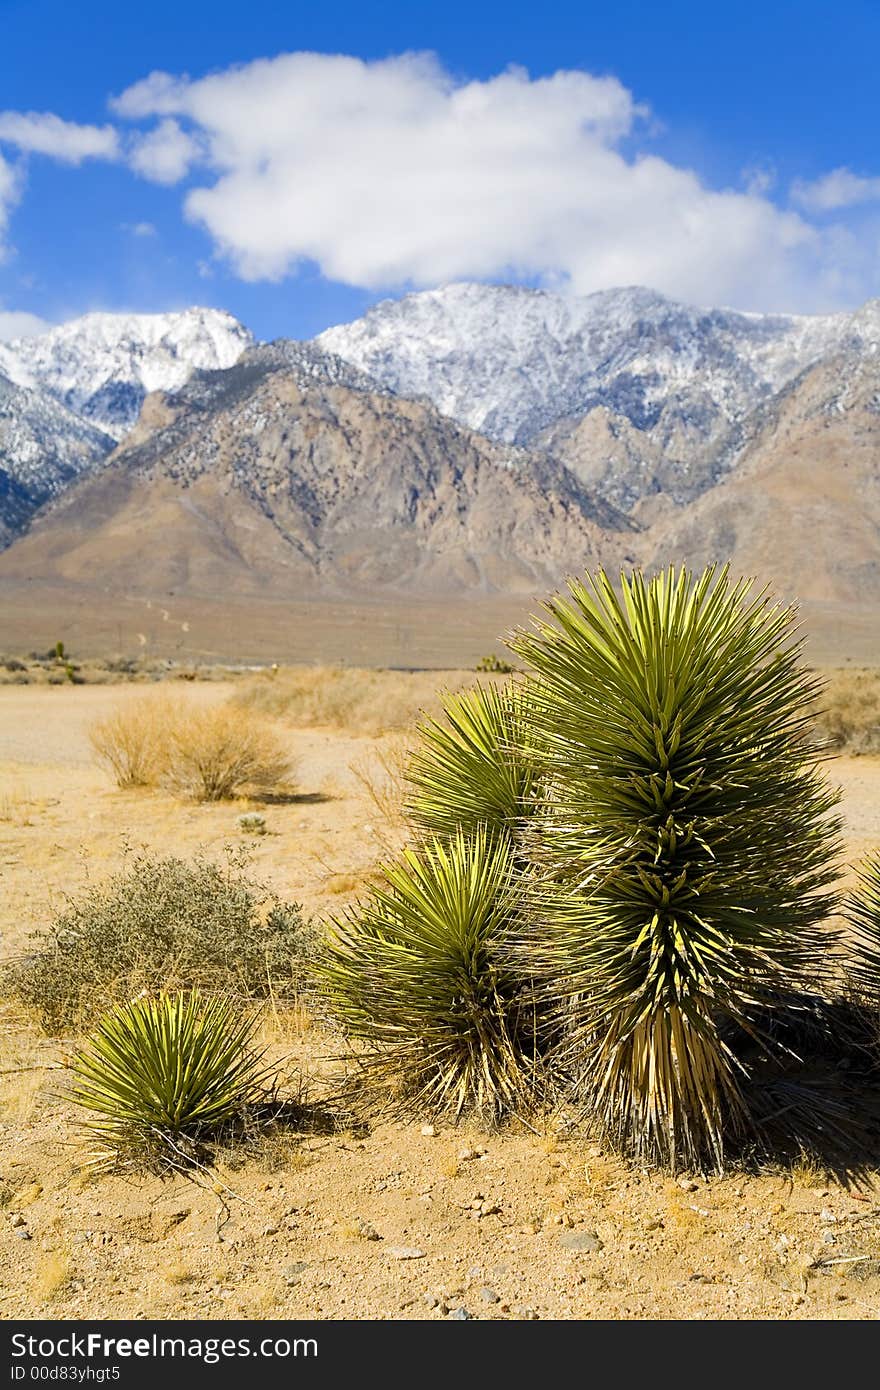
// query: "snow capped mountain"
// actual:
[[102, 366], [510, 361], [43, 447]]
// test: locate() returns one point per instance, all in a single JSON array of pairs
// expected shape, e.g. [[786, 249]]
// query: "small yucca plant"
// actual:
[[862, 911], [687, 843], [474, 768], [158, 1076], [418, 973]]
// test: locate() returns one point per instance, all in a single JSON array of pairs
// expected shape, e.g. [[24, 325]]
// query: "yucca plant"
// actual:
[[157, 1076], [862, 912], [687, 843], [419, 974], [475, 766]]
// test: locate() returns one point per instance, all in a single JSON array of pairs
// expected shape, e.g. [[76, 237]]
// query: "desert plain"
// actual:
[[376, 1219]]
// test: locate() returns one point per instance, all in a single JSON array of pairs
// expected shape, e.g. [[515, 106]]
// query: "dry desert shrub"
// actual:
[[206, 754], [214, 753], [849, 710], [342, 697], [130, 742], [162, 923]]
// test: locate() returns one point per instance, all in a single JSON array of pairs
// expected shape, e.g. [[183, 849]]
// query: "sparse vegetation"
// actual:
[[130, 742], [344, 697], [202, 754], [159, 1076], [219, 752], [419, 974], [849, 710], [162, 923], [494, 664]]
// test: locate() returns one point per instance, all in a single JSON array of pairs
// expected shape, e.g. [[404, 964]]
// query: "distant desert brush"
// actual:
[[343, 697], [204, 753], [849, 710]]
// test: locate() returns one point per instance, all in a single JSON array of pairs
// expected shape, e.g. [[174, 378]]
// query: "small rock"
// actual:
[[829, 1238], [17, 1220], [688, 1185], [431, 1300], [489, 1296], [467, 1155], [460, 1315], [655, 1225], [586, 1242], [293, 1271], [530, 1229], [429, 1131], [474, 1272], [490, 1209], [366, 1231], [405, 1252], [23, 1233], [826, 1215], [271, 1230]]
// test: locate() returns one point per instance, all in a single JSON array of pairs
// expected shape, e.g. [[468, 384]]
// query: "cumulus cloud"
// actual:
[[10, 186], [841, 188], [165, 154], [41, 132], [15, 323], [393, 173]]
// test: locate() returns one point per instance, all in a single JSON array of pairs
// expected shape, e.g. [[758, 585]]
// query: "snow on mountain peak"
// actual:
[[102, 365], [511, 361]]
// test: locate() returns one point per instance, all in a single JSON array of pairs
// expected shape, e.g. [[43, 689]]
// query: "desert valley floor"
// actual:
[[383, 1222]]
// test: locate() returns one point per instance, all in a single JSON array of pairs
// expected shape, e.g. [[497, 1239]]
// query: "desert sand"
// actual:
[[385, 1221]]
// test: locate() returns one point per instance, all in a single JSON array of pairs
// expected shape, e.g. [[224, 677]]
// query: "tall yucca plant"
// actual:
[[419, 973], [688, 837], [475, 766], [159, 1073], [862, 911]]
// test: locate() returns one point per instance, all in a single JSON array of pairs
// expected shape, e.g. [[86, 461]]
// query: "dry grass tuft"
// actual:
[[342, 697], [381, 772], [130, 742], [51, 1276], [849, 710], [202, 754], [216, 753]]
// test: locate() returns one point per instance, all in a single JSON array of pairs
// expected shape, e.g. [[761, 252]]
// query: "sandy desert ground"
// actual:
[[385, 1223]]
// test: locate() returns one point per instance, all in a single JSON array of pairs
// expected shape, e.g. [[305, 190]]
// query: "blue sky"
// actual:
[[721, 157]]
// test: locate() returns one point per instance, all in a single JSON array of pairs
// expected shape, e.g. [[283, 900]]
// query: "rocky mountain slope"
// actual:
[[639, 395], [43, 448], [102, 366], [291, 470], [802, 508]]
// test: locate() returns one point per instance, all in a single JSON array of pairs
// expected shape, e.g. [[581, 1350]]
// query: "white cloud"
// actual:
[[41, 132], [139, 229], [393, 173], [15, 323], [165, 154], [10, 187], [839, 189]]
